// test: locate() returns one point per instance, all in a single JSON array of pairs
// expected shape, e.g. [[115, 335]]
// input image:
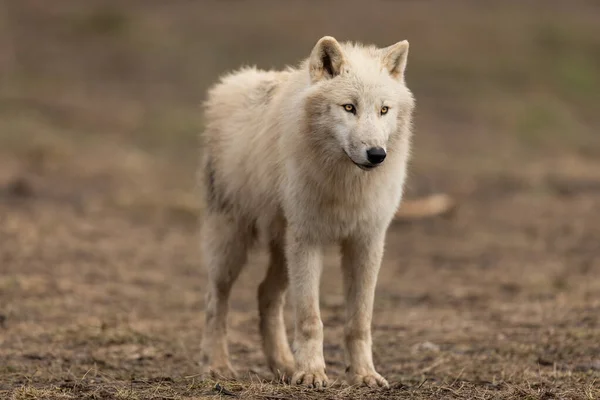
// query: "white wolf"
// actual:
[[308, 156]]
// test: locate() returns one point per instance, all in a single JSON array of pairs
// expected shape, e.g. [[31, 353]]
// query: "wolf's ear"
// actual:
[[326, 59], [394, 59]]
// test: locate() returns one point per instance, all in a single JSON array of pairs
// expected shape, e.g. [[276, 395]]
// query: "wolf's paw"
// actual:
[[313, 379], [221, 371], [283, 371], [366, 378]]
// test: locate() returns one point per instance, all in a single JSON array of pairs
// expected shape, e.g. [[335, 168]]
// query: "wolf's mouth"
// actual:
[[364, 167]]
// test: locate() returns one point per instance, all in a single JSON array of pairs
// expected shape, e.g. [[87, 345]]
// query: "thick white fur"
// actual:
[[281, 156]]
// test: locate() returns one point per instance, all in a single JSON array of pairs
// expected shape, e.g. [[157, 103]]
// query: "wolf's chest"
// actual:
[[340, 216]]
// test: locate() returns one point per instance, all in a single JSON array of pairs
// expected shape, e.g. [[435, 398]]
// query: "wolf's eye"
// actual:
[[384, 110], [350, 108]]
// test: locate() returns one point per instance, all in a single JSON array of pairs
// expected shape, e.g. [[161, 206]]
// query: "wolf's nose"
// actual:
[[376, 155]]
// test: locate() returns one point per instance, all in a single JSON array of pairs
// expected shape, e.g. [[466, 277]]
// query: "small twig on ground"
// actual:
[[221, 390], [421, 384]]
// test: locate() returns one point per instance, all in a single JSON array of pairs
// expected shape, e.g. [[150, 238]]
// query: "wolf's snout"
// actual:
[[376, 155]]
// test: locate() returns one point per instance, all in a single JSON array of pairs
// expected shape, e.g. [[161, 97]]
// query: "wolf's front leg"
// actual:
[[304, 266], [361, 259]]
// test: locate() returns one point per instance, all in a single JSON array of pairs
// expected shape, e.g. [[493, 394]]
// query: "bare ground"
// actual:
[[101, 291], [102, 294]]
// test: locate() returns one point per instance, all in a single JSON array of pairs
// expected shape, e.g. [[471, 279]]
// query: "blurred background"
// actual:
[[99, 117]]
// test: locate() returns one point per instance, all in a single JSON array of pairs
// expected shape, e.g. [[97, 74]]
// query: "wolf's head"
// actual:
[[359, 98]]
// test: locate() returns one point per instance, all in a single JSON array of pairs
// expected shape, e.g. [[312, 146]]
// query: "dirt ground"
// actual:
[[101, 291]]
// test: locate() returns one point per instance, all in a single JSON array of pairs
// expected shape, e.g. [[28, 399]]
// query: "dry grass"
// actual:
[[189, 389]]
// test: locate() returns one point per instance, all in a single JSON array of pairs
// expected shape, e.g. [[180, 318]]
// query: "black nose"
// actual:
[[376, 155]]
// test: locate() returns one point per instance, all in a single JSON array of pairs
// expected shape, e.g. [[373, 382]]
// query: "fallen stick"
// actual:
[[425, 207]]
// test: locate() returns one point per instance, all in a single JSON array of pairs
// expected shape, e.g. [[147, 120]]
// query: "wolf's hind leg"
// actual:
[[271, 299], [225, 243]]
